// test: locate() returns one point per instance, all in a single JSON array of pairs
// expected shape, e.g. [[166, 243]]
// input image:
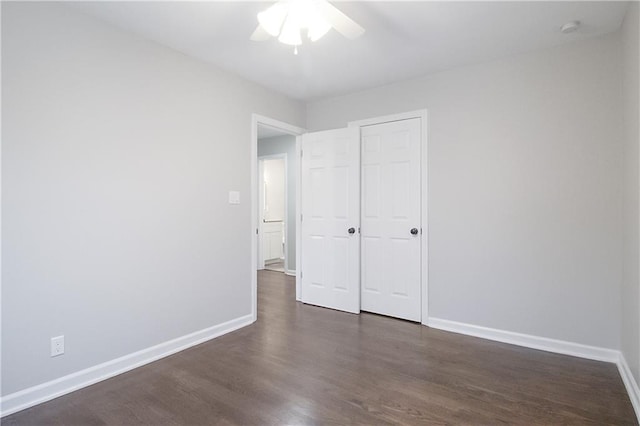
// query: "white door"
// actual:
[[391, 230], [330, 215]]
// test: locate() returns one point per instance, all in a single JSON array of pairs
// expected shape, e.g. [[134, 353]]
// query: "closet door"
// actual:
[[390, 220], [330, 218]]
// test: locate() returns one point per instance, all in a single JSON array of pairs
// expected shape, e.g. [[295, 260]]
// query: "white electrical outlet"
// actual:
[[57, 345]]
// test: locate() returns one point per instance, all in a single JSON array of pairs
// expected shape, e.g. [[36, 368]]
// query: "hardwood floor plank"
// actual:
[[300, 364]]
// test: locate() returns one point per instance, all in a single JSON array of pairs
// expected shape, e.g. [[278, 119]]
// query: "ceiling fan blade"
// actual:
[[260, 34], [339, 21]]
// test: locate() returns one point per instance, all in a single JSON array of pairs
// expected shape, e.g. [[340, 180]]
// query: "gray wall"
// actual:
[[118, 155], [286, 145], [524, 188], [631, 282]]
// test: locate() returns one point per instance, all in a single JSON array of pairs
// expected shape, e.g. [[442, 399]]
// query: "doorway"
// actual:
[[275, 240]]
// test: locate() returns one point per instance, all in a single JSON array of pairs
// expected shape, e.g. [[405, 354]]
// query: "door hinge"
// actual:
[[358, 229], [256, 231], [300, 217], [301, 153], [301, 274], [420, 231]]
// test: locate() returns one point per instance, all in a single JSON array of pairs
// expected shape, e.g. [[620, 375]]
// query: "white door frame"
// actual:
[[256, 120], [282, 156], [424, 189]]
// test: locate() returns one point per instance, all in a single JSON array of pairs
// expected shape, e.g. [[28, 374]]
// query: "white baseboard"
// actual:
[[549, 345], [527, 340], [46, 391], [290, 272], [630, 383]]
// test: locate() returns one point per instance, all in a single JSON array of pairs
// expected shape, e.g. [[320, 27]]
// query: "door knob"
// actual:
[[414, 231], [351, 230]]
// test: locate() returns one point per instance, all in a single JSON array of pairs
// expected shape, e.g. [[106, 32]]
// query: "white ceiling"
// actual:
[[403, 40]]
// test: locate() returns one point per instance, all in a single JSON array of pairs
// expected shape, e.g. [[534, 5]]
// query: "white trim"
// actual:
[[298, 218], [38, 394], [422, 114], [260, 244], [629, 383], [424, 169], [527, 340], [550, 345], [253, 173], [257, 119], [290, 272]]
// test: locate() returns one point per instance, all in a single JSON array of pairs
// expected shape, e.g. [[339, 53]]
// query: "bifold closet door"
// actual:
[[390, 219], [330, 204]]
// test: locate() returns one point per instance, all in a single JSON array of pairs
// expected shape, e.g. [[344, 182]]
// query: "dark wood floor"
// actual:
[[306, 365]]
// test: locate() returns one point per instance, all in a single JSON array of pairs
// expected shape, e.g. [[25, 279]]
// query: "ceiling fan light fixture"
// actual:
[[271, 19], [317, 28], [286, 19], [290, 33]]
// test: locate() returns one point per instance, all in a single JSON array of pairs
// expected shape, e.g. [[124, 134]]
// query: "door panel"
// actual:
[[391, 208], [330, 206]]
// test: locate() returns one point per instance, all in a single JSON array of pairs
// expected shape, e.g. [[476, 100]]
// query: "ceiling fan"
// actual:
[[287, 18]]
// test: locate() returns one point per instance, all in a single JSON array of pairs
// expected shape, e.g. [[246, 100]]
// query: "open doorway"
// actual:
[[275, 159]]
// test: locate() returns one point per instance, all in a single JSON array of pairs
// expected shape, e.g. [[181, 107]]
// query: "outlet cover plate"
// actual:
[[57, 346]]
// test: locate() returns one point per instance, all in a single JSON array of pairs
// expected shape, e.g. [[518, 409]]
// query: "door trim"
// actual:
[[260, 264], [422, 114], [257, 119]]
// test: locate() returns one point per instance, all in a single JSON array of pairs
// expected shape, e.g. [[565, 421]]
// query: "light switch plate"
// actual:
[[234, 197]]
